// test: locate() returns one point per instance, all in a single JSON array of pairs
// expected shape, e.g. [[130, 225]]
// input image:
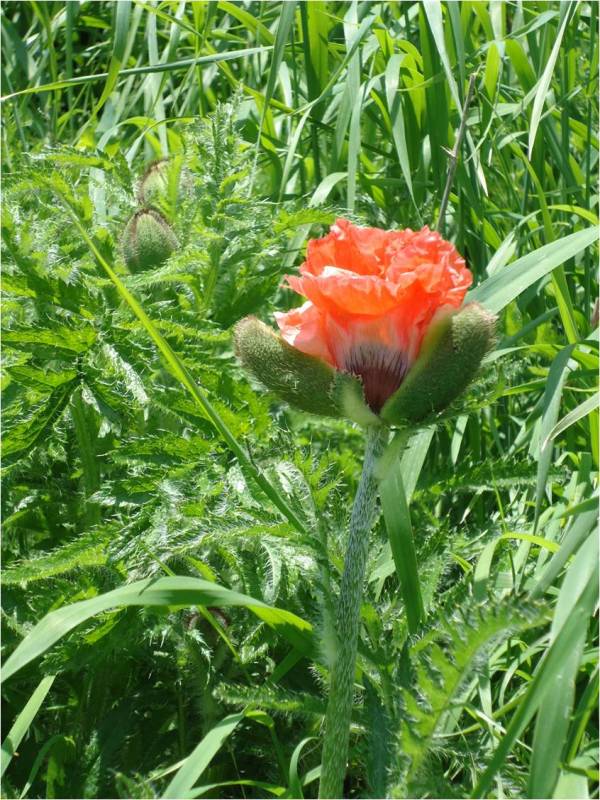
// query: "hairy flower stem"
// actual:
[[339, 706]]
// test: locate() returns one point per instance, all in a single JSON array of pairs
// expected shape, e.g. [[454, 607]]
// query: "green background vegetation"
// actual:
[[135, 448]]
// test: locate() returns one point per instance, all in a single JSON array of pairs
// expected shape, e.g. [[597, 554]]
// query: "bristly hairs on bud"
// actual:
[[148, 240]]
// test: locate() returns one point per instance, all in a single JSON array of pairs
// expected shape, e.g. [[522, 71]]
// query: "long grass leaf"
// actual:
[[172, 66], [544, 81], [394, 104], [199, 759], [506, 284], [23, 722], [552, 665], [581, 411], [574, 538], [551, 405], [284, 26], [172, 591], [122, 11], [399, 528], [181, 373]]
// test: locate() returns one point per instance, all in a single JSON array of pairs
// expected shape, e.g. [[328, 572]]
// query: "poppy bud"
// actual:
[[450, 356], [301, 380], [148, 240], [154, 183]]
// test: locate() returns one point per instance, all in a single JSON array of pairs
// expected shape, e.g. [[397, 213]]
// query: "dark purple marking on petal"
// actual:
[[381, 370]]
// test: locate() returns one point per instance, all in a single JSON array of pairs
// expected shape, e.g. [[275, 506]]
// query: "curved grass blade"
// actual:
[[39, 760], [271, 788], [176, 591], [574, 538], [181, 373], [506, 284], [544, 82], [197, 761], [394, 104], [23, 721], [557, 376], [399, 528], [553, 663], [284, 26], [171, 66], [581, 411], [122, 12], [295, 784]]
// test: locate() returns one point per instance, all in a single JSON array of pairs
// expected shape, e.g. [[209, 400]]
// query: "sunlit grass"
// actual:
[[136, 449]]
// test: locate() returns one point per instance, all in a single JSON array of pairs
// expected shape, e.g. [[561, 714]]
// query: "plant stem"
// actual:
[[453, 156], [89, 466], [339, 706]]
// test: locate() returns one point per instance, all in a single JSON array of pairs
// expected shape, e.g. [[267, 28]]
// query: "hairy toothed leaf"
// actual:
[[440, 673]]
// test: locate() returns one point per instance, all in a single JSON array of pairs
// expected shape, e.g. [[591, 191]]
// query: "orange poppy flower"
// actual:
[[372, 294]]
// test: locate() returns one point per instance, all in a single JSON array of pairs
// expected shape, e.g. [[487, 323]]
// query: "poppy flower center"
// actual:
[[380, 368]]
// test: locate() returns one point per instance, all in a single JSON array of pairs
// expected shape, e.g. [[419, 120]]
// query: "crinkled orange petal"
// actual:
[[303, 328], [349, 293], [349, 247]]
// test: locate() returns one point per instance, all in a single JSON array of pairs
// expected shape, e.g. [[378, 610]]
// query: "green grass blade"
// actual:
[[351, 86], [574, 538], [506, 284], [294, 782], [23, 722], [284, 26], [354, 147], [544, 82], [122, 13], [261, 786], [481, 573], [172, 66], [199, 759], [37, 764], [435, 19], [552, 665], [249, 22], [540, 541], [182, 374], [172, 591], [560, 284], [291, 154], [581, 411], [394, 104], [323, 190], [399, 528], [551, 405]]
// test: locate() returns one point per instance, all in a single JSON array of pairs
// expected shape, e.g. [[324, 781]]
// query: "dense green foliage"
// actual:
[[135, 448]]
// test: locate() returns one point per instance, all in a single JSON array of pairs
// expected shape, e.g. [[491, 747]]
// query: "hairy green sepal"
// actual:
[[450, 357], [301, 380], [148, 240]]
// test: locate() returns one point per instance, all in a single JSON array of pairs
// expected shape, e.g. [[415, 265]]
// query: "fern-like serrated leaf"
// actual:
[[273, 698], [442, 668]]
